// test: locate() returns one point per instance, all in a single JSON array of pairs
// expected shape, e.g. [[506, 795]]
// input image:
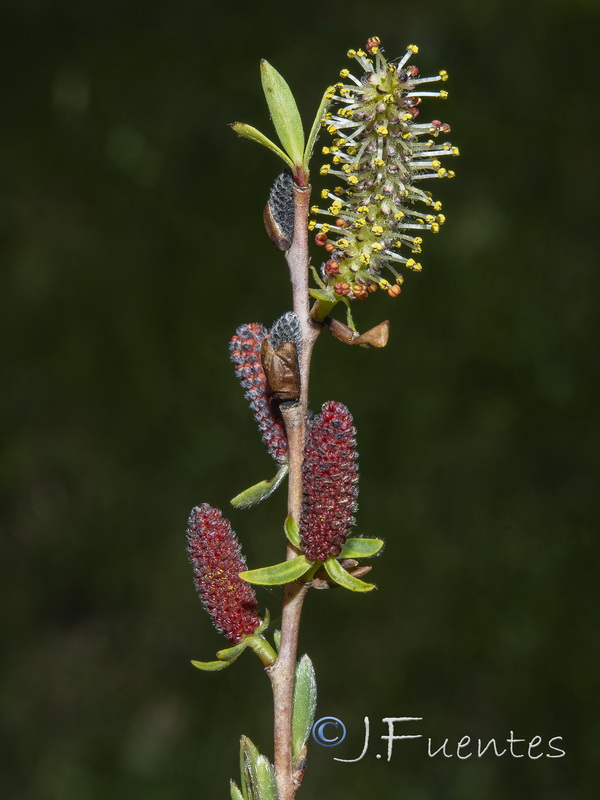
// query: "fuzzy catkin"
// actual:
[[330, 482], [244, 350], [216, 560]]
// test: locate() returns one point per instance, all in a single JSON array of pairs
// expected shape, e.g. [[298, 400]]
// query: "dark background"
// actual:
[[131, 248]]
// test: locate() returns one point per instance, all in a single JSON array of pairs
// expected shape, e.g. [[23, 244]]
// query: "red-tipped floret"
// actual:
[[244, 350], [330, 479], [216, 559]]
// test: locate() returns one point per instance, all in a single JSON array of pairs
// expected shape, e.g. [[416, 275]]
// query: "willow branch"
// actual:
[[283, 671]]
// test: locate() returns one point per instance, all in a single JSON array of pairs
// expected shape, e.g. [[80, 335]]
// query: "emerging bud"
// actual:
[[279, 212], [330, 478], [381, 153], [245, 352], [279, 355], [216, 559]]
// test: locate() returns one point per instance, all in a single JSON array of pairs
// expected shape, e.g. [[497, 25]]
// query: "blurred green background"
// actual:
[[131, 248]]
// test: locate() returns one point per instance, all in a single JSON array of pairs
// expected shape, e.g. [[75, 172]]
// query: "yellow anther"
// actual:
[[379, 162], [413, 48], [365, 259], [336, 159], [325, 169], [437, 206], [353, 180], [363, 209], [442, 172], [382, 130], [400, 280], [351, 53], [383, 284], [324, 194], [399, 215], [443, 94], [361, 53], [311, 225], [451, 173], [314, 209], [436, 164], [343, 242], [417, 267], [406, 117], [331, 129], [377, 247], [406, 135], [435, 228], [441, 219], [429, 219], [417, 241], [443, 75], [325, 151], [455, 151], [360, 222], [325, 228], [334, 208], [377, 230]]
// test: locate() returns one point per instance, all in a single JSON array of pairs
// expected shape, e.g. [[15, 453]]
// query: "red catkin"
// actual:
[[216, 558], [244, 350], [330, 482]]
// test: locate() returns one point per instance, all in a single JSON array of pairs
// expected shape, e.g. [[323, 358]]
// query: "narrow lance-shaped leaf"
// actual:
[[312, 137], [337, 573], [265, 779], [361, 548], [284, 112], [305, 703], [260, 491], [248, 132], [278, 574], [250, 759], [212, 666]]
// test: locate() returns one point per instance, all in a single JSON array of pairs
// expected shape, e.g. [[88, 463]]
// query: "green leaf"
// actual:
[[231, 653], [316, 126], [243, 781], [337, 573], [292, 531], [250, 756], [361, 548], [305, 703], [248, 132], [284, 112], [212, 666], [260, 491], [265, 779], [285, 572], [235, 792]]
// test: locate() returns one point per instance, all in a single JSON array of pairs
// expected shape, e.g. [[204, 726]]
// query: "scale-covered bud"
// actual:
[[245, 352], [330, 482], [216, 559]]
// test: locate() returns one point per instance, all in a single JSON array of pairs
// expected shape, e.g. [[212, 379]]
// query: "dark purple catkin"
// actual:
[[244, 350], [216, 559], [330, 482]]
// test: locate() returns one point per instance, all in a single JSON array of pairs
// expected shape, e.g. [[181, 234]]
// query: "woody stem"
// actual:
[[283, 671]]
